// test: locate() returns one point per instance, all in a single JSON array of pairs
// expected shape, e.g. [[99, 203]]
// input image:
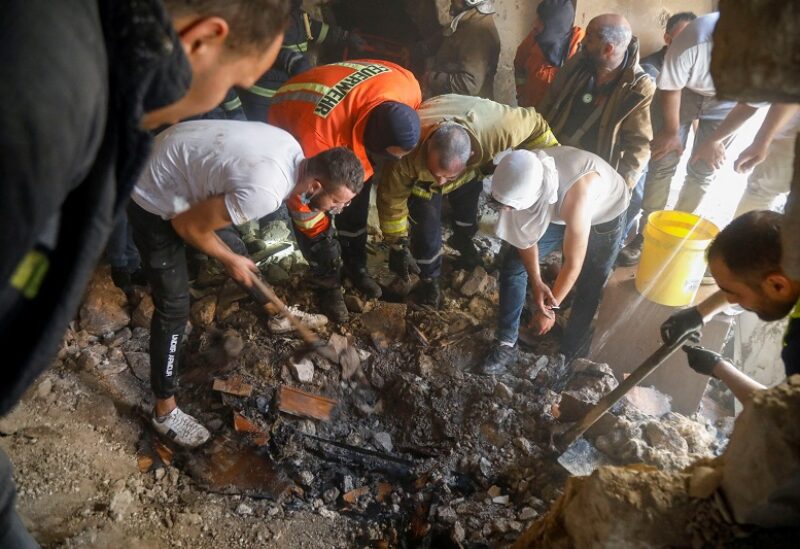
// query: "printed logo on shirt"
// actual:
[[339, 91]]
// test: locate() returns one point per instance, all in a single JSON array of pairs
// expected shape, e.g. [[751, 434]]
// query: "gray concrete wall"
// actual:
[[647, 17]]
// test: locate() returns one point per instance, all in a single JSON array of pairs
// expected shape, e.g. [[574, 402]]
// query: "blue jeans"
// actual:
[[604, 244], [635, 206]]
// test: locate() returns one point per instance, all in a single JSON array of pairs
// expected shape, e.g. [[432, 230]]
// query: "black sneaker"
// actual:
[[498, 360], [632, 253], [365, 283], [331, 301], [428, 293]]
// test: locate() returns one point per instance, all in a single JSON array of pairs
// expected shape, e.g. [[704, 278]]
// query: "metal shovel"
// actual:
[[579, 457]]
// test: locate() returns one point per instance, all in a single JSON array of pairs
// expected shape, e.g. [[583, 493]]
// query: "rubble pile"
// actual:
[[711, 502], [401, 437]]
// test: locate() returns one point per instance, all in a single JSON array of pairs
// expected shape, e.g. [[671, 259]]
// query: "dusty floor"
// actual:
[[419, 451]]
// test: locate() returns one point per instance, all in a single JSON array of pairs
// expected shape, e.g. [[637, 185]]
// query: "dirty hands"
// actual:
[[711, 152], [543, 298], [751, 157], [701, 360], [240, 269], [541, 324], [681, 324], [400, 260], [664, 143]]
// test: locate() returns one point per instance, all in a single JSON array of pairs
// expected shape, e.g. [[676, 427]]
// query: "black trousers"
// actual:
[[425, 224], [164, 262]]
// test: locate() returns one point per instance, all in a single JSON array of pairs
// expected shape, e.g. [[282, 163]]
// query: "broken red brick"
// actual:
[[164, 453], [243, 425], [384, 489], [144, 463], [352, 496], [233, 386], [300, 403]]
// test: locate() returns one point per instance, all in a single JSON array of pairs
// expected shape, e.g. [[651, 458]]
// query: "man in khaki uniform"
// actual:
[[466, 61], [459, 135]]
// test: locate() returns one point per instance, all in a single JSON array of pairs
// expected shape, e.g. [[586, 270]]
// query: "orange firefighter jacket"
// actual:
[[328, 107]]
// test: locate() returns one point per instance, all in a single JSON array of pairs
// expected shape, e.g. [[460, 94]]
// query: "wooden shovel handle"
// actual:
[[307, 335]]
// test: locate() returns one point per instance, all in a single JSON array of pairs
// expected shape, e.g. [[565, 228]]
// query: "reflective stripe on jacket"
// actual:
[[328, 107], [492, 127]]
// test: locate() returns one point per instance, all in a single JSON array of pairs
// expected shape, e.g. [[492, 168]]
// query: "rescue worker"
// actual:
[[301, 32], [460, 135], [73, 144], [370, 107], [561, 198], [549, 45], [203, 176], [466, 61], [745, 260]]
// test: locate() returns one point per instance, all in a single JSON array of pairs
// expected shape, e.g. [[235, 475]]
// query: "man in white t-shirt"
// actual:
[[565, 198], [201, 177], [686, 93]]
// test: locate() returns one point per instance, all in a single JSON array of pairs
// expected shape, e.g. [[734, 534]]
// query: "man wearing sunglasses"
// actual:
[[203, 176]]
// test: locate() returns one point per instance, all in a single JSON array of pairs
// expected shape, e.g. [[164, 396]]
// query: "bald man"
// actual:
[[600, 99]]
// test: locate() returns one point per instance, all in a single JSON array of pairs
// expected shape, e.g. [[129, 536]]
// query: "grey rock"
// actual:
[[503, 392], [120, 505], [244, 510], [276, 274], [383, 441], [477, 282], [302, 370]]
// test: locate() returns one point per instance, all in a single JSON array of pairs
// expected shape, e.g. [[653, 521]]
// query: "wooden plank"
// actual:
[[300, 403], [234, 385]]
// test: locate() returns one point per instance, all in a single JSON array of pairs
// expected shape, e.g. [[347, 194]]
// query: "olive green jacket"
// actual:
[[492, 128]]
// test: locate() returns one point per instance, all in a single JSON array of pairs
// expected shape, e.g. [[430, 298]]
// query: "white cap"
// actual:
[[517, 181]]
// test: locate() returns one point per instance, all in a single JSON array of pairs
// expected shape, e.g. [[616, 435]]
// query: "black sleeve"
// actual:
[[53, 108], [791, 348]]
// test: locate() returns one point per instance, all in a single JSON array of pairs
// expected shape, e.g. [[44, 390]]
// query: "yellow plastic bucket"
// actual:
[[673, 257]]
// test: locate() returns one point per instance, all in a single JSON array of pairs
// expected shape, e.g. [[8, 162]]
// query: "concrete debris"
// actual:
[[276, 274], [120, 505], [503, 392], [640, 506], [244, 510], [204, 310], [143, 313], [650, 401], [476, 283], [354, 303], [383, 441], [104, 308], [92, 357], [302, 370]]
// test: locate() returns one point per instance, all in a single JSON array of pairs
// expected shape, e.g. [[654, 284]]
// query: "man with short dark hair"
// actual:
[[600, 99], [203, 176], [653, 63], [460, 135], [369, 106], [73, 144], [745, 260]]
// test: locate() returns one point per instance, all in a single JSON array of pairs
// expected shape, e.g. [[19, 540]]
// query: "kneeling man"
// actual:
[[565, 198], [203, 176]]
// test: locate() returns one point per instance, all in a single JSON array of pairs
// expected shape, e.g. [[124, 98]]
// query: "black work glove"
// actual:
[[400, 260], [701, 360], [680, 324]]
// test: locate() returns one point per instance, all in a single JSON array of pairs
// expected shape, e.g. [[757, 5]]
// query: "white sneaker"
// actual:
[[181, 428], [279, 324]]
